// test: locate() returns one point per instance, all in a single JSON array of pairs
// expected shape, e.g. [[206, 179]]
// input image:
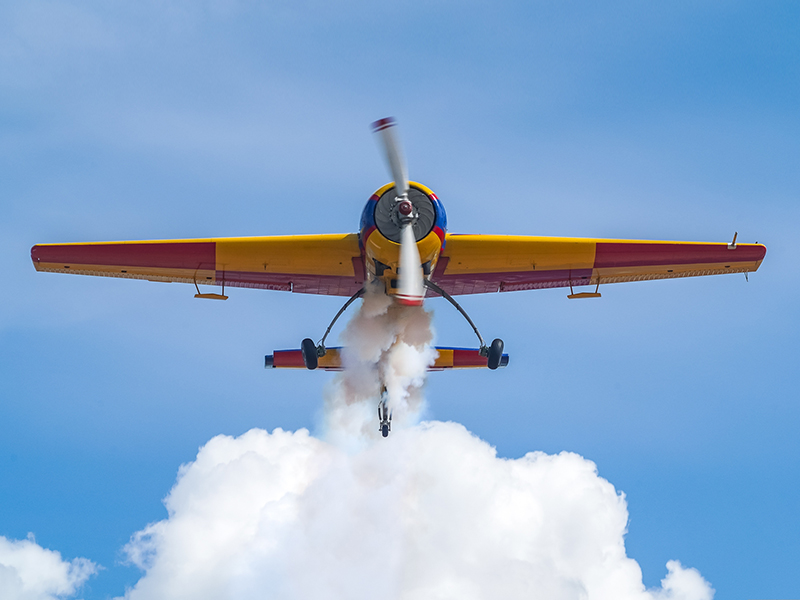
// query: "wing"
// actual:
[[310, 264], [473, 264], [447, 358]]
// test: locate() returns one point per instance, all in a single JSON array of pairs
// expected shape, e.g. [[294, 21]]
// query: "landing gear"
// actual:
[[310, 356], [311, 351], [494, 353], [384, 416]]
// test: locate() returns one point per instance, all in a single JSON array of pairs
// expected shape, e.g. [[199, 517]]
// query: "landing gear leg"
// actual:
[[384, 416], [494, 353], [312, 352]]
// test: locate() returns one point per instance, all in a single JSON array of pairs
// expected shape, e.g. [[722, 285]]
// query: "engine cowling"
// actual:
[[381, 231]]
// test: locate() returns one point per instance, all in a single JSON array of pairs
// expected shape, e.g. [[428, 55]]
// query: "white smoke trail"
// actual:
[[385, 344]]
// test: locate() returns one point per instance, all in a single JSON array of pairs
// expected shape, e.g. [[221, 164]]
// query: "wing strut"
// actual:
[[432, 286], [494, 352], [321, 345]]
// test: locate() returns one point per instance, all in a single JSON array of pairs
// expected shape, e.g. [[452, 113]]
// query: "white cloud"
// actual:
[[683, 584], [30, 572], [430, 512]]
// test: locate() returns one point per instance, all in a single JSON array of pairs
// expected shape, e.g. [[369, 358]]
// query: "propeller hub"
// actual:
[[405, 208]]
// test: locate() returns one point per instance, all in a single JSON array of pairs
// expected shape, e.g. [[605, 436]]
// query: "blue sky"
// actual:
[[619, 119]]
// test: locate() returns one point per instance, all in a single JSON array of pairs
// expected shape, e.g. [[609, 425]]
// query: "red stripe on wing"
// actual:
[[288, 359], [632, 254], [467, 357], [167, 255]]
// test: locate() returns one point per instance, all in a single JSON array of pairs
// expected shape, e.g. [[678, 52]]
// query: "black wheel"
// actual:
[[309, 350], [495, 354], [385, 431]]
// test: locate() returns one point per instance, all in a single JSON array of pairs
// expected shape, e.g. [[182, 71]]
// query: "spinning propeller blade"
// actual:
[[394, 156], [412, 289]]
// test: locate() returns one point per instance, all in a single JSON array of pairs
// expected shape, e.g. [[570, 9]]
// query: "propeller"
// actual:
[[394, 155], [411, 290]]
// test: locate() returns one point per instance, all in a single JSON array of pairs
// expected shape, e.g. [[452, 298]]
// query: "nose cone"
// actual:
[[409, 300], [405, 208]]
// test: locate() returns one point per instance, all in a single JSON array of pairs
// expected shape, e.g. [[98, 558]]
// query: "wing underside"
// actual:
[[312, 264], [333, 265], [472, 264]]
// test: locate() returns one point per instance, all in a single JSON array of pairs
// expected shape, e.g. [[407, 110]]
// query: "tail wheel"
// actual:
[[495, 354], [385, 431], [309, 350]]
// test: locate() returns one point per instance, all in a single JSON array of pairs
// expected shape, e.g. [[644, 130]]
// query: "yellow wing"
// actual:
[[311, 264], [473, 264]]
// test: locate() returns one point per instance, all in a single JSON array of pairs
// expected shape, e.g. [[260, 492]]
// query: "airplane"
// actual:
[[404, 249]]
